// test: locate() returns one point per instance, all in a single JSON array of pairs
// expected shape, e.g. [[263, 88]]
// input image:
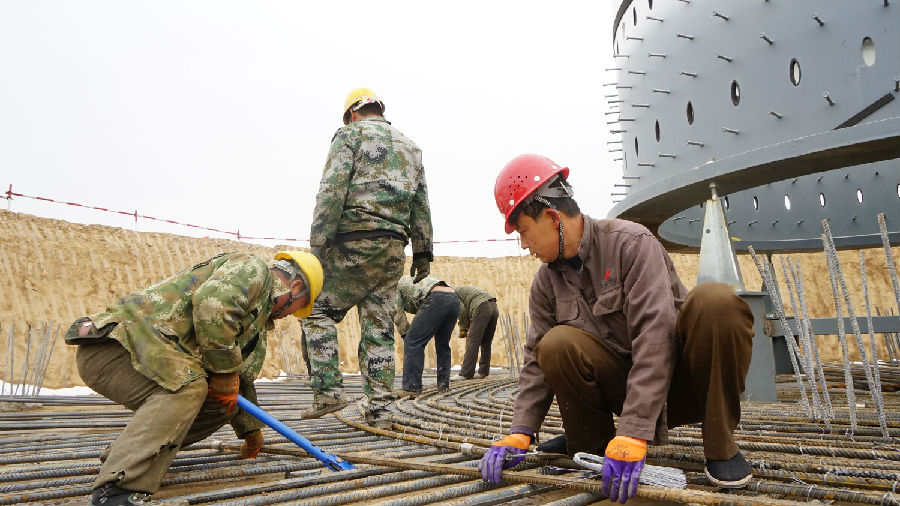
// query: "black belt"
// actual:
[[369, 234]]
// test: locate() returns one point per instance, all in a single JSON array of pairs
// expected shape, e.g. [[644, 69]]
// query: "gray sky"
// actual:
[[220, 113]]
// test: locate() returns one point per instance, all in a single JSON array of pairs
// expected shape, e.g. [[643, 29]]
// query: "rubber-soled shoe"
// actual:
[[443, 388], [732, 473], [318, 410], [399, 392], [555, 445], [109, 494], [460, 377], [479, 376]]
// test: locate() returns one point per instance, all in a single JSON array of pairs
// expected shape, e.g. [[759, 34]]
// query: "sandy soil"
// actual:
[[57, 271]]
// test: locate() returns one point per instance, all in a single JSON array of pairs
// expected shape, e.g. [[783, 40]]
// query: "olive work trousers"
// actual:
[[163, 421], [481, 335], [714, 339]]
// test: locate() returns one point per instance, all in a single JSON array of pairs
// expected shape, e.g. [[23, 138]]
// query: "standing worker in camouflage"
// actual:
[[614, 331], [179, 353], [477, 324], [436, 307], [372, 199]]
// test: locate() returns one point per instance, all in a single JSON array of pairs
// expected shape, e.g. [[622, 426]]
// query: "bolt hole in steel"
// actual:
[[650, 3], [822, 199], [755, 204], [634, 15], [868, 51], [636, 146], [725, 202], [657, 130], [859, 196], [690, 113], [787, 202], [795, 72], [735, 93]]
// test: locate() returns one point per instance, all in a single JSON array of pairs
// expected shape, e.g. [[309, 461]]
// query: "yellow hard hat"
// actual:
[[312, 269], [363, 96]]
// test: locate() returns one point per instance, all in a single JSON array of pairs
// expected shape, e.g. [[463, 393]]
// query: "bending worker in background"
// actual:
[[436, 307], [477, 324], [179, 353], [371, 200], [614, 331]]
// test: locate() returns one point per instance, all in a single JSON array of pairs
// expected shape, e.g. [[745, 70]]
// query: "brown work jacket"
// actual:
[[628, 295]]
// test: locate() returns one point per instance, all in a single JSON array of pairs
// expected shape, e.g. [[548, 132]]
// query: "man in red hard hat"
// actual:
[[614, 331]]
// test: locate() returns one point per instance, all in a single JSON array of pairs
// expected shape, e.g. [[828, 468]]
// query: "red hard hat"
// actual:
[[520, 178]]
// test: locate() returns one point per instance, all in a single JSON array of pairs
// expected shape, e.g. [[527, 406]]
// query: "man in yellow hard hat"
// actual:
[[372, 200], [179, 353]]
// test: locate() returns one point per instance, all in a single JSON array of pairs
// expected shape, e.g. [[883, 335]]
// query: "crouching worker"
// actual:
[[179, 353], [614, 331]]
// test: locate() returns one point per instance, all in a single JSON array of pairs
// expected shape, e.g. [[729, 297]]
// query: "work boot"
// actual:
[[732, 473], [443, 388], [555, 445], [321, 409], [460, 377], [380, 419], [109, 494], [480, 376], [412, 394]]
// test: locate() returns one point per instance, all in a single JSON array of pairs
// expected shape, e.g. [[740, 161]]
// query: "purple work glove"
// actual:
[[494, 461], [622, 466]]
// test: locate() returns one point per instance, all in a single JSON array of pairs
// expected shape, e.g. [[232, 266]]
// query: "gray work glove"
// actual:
[[421, 266]]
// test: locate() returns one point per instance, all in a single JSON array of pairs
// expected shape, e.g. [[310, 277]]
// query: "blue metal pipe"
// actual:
[[330, 461]]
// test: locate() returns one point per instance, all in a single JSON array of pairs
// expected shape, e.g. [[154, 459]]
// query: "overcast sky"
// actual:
[[221, 113]]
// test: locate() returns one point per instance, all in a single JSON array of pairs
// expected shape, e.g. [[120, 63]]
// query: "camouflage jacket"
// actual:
[[211, 318], [373, 180], [409, 297], [470, 298]]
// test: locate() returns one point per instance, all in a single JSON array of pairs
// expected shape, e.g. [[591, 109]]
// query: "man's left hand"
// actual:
[[622, 466], [253, 442]]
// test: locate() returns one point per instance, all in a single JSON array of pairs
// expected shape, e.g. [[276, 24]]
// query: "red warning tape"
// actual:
[[10, 194]]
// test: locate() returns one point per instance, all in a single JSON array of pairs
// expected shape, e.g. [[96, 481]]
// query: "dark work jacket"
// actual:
[[628, 294]]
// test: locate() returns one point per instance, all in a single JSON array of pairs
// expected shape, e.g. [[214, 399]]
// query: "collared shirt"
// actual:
[[628, 294], [373, 180]]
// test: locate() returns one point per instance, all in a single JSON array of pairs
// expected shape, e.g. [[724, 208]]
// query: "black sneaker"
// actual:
[[109, 494], [555, 445], [732, 473]]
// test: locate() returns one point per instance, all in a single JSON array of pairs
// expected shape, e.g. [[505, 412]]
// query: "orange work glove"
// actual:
[[223, 388], [253, 441], [503, 455], [463, 333], [622, 467]]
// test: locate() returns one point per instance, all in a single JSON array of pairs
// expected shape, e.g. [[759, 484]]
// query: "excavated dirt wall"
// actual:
[[56, 270]]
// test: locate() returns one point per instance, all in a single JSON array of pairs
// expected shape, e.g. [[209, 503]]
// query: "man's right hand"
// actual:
[[495, 459], [223, 388]]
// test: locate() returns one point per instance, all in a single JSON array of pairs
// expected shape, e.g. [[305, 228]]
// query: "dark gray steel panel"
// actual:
[[769, 226], [680, 52]]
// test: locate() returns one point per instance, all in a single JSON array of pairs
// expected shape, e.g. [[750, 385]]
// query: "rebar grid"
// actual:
[[795, 459]]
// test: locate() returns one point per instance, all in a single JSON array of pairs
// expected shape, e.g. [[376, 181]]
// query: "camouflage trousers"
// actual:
[[361, 273]]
